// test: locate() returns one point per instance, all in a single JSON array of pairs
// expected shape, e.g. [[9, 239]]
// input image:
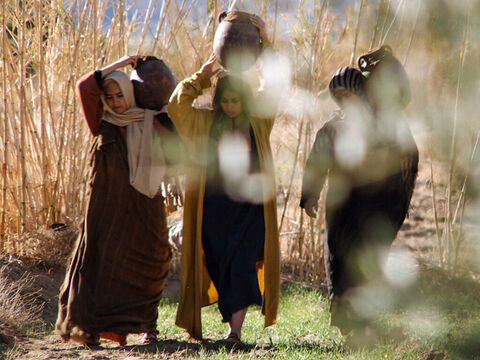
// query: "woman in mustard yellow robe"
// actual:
[[197, 127]]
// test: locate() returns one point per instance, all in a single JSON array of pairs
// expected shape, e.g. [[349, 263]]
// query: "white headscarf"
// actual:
[[146, 161]]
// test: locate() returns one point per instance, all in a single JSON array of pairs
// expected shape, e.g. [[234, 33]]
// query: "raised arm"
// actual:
[[89, 91], [188, 120], [123, 61]]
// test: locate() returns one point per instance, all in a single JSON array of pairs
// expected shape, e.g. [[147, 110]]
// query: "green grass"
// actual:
[[302, 332], [40, 330], [439, 315]]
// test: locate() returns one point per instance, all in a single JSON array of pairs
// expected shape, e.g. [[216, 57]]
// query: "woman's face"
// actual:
[[114, 98], [231, 104], [345, 96]]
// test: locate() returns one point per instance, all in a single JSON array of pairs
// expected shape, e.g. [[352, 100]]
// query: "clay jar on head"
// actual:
[[237, 41], [153, 83], [387, 84]]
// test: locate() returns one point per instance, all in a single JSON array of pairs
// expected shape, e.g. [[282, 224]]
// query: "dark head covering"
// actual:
[[347, 78]]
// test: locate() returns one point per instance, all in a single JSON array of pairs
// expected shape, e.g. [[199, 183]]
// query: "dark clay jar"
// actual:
[[237, 41], [153, 83], [387, 82]]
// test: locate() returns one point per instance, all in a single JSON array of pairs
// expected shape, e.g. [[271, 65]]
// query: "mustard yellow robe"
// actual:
[[197, 289]]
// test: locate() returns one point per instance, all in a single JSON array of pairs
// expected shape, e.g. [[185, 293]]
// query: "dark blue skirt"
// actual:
[[233, 234]]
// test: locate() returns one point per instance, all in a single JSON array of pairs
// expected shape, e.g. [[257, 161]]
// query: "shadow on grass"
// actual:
[[184, 348]]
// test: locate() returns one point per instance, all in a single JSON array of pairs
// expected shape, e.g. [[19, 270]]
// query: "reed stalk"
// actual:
[[357, 31], [461, 199], [177, 24], [377, 25], [417, 13], [31, 141], [198, 57], [232, 5], [163, 16], [49, 204], [5, 129], [146, 20], [94, 38], [435, 210], [461, 205], [292, 176], [387, 10], [214, 19], [21, 153], [121, 14], [310, 221], [320, 226], [397, 11], [274, 34], [300, 264], [43, 130], [453, 147]]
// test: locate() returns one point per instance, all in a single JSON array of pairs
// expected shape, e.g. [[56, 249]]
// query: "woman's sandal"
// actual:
[[232, 341], [150, 337]]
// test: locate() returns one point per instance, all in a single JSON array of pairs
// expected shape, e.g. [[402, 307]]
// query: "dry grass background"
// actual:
[[18, 305], [48, 45]]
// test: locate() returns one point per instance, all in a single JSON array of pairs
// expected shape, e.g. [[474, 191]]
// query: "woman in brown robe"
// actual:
[[115, 280]]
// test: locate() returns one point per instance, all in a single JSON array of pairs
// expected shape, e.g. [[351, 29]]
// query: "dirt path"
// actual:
[[51, 347]]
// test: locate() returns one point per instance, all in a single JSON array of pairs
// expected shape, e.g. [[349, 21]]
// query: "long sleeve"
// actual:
[[318, 164], [89, 93], [189, 121]]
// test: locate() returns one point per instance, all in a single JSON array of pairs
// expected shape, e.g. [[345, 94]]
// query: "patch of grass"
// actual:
[[40, 329], [9, 353], [302, 332]]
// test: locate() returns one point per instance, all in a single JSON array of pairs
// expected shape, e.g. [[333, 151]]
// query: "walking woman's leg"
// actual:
[[236, 321], [235, 324]]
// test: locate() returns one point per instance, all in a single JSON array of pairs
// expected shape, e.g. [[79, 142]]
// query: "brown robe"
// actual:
[[122, 256]]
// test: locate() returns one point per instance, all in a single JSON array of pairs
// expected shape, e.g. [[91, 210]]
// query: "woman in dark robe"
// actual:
[[371, 171], [115, 280], [230, 222]]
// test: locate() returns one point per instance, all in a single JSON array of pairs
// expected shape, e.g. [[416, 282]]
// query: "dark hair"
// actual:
[[227, 81]]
